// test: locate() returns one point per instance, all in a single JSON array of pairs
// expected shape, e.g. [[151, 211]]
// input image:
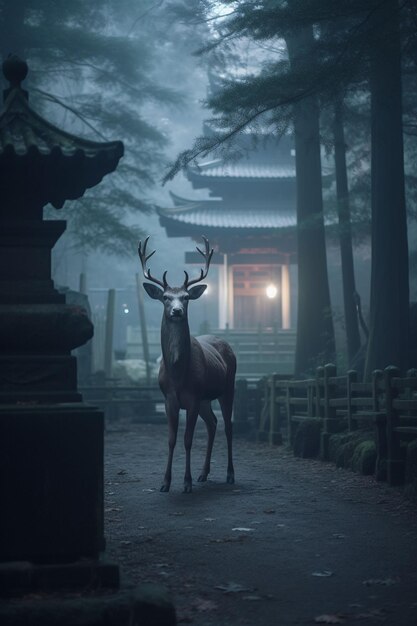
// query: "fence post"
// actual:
[[83, 283], [319, 391], [351, 377], [290, 412], [240, 406], [330, 424], [275, 436], [381, 427], [395, 464], [108, 339]]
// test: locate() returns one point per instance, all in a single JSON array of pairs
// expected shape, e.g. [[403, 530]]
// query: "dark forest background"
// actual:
[[340, 76]]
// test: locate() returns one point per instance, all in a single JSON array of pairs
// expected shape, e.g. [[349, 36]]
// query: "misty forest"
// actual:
[[208, 209]]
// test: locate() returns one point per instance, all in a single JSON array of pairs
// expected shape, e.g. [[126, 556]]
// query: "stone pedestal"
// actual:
[[51, 482]]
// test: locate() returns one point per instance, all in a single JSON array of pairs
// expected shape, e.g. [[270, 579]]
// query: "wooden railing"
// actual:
[[387, 404]]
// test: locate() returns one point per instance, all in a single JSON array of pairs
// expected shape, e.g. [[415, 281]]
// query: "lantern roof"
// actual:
[[52, 164]]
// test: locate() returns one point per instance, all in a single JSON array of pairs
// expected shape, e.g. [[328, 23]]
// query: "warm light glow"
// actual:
[[271, 291]]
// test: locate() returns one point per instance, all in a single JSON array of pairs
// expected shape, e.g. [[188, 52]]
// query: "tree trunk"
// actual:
[[389, 306], [315, 333], [345, 235]]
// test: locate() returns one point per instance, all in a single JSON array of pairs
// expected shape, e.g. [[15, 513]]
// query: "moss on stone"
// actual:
[[354, 450], [364, 458]]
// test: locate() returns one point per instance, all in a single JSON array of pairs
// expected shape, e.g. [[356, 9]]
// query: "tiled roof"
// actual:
[[242, 169], [68, 164], [213, 214]]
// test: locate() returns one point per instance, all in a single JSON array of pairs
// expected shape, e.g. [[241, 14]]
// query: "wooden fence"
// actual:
[[387, 404]]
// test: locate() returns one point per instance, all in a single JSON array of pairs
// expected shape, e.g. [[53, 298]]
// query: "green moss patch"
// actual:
[[354, 450]]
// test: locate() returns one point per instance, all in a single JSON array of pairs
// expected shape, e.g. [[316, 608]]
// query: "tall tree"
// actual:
[[315, 333], [345, 233], [389, 324]]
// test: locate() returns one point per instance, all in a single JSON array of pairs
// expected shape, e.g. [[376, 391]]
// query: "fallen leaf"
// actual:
[[232, 587], [148, 490], [269, 511], [209, 519], [385, 582], [122, 472], [329, 619], [242, 529], [125, 543], [323, 574], [112, 508], [176, 513]]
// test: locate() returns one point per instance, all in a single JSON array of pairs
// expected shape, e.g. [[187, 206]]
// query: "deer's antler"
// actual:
[[144, 258], [207, 254]]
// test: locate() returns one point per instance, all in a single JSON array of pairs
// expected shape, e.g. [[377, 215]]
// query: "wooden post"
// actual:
[[352, 377], [83, 283], [275, 437], [143, 329], [108, 340], [319, 391], [380, 426], [240, 406], [330, 424], [395, 465], [290, 412]]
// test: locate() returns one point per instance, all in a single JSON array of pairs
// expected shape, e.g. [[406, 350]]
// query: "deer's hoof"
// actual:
[[202, 478], [230, 479], [188, 488], [165, 488]]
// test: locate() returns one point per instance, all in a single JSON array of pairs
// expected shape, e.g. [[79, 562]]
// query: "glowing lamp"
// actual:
[[271, 291]]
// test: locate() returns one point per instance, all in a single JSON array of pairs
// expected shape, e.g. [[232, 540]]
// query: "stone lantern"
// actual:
[[51, 444]]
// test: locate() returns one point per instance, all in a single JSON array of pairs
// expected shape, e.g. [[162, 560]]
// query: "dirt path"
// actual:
[[292, 542]]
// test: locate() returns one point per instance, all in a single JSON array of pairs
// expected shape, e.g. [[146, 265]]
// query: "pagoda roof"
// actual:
[[215, 214], [218, 168], [64, 165]]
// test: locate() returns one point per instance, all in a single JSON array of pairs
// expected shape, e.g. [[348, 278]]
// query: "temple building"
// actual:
[[249, 216]]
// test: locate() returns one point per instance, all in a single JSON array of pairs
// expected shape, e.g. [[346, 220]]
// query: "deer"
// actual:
[[194, 371]]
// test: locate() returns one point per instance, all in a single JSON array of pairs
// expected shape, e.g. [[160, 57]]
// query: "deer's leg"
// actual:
[[210, 420], [226, 405], [192, 415], [172, 411]]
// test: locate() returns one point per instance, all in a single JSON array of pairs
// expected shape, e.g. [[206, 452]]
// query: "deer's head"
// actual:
[[174, 299]]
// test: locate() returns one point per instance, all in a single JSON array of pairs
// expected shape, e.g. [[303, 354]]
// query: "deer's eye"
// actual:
[[165, 298], [186, 297]]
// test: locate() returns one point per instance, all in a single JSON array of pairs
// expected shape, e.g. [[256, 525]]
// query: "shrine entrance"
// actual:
[[257, 296]]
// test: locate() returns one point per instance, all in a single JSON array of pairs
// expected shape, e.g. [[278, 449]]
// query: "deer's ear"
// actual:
[[153, 291], [196, 291]]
